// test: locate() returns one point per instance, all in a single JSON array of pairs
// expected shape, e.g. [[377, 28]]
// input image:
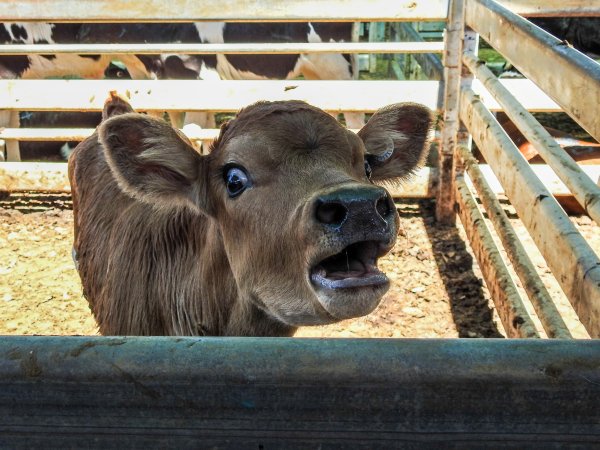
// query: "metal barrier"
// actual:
[[298, 393], [573, 262], [264, 393]]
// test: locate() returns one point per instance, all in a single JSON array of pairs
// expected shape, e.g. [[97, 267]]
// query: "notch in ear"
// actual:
[[154, 162], [396, 140]]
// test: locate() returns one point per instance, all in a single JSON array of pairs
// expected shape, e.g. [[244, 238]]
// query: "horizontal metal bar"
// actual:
[[553, 8], [215, 96], [569, 256], [215, 10], [569, 77], [52, 177], [287, 48], [230, 95], [585, 190], [94, 392], [27, 176], [265, 10], [506, 297], [539, 296]]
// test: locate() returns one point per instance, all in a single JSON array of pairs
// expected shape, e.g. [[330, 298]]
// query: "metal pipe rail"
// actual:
[[557, 65], [508, 301], [569, 256], [539, 296], [79, 134], [213, 96], [586, 191], [431, 64], [230, 393], [231, 95], [265, 10], [213, 49]]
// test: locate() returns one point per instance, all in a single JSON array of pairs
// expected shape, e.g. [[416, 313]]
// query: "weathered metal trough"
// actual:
[[85, 392]]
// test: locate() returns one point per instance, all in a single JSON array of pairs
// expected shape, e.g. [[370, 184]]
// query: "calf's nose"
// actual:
[[355, 206]]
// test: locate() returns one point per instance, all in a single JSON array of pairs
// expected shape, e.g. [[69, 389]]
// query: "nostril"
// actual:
[[331, 213], [385, 206]]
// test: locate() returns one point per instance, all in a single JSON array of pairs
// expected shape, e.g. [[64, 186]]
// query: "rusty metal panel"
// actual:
[[539, 296], [583, 187], [571, 259], [507, 299], [231, 393], [569, 77]]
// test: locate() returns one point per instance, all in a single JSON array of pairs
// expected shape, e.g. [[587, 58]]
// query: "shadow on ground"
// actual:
[[468, 303]]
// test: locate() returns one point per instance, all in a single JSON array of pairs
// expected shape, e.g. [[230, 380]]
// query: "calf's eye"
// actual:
[[236, 180]]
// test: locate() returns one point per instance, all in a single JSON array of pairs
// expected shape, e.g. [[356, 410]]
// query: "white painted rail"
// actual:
[[265, 10], [228, 95], [212, 49]]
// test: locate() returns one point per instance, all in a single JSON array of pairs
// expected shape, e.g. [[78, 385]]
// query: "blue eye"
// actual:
[[236, 181]]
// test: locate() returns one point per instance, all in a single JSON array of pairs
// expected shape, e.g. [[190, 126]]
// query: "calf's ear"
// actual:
[[154, 162], [396, 140]]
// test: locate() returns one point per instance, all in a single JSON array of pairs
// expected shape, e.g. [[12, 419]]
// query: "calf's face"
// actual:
[[292, 194]]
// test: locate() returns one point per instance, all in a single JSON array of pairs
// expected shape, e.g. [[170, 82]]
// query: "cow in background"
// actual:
[[311, 66], [583, 33]]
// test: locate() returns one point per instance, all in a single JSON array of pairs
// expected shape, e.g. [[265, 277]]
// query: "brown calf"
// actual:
[[278, 227]]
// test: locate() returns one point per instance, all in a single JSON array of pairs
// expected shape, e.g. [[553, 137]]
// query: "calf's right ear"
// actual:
[[396, 141], [153, 162]]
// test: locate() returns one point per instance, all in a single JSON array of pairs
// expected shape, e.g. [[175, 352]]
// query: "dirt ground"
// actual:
[[437, 289]]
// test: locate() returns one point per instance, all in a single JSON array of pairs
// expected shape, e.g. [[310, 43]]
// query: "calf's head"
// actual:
[[292, 195]]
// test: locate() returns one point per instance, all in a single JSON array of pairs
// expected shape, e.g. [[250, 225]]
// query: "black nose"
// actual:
[[361, 206]]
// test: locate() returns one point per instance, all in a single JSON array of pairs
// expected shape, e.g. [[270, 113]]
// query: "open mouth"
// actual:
[[354, 267]]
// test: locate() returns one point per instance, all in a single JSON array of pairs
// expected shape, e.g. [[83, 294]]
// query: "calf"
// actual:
[[278, 227]]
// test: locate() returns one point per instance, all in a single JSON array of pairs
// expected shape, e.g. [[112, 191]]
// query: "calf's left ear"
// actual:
[[153, 162], [396, 140]]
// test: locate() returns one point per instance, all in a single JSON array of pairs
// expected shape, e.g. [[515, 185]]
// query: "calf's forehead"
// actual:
[[288, 136]]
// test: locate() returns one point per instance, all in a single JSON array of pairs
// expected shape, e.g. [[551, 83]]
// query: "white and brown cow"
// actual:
[[311, 66], [278, 227]]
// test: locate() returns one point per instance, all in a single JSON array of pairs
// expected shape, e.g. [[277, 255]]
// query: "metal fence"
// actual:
[[295, 393]]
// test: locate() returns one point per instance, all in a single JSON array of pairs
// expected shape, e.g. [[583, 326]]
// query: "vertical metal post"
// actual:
[[445, 212], [463, 138], [10, 119], [13, 153], [376, 34]]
